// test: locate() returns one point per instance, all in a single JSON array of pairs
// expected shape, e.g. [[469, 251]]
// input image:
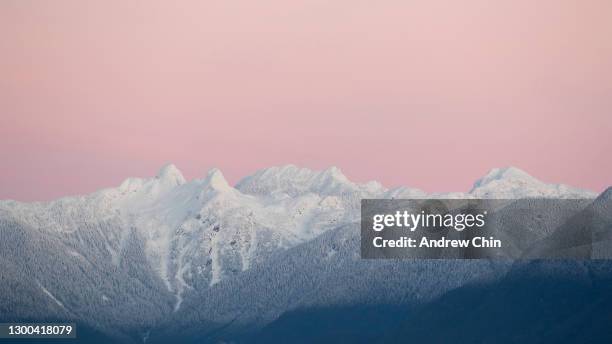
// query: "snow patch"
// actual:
[[51, 296]]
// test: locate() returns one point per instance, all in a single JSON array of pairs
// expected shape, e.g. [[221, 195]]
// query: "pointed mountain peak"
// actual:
[[506, 173], [335, 173], [171, 173], [216, 180]]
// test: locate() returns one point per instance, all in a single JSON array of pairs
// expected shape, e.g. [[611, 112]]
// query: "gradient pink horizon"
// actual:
[[425, 94]]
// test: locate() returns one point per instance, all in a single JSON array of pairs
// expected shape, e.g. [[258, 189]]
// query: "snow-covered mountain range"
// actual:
[[165, 244], [206, 229]]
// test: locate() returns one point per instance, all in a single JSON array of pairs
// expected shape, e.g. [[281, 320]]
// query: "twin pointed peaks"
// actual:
[[171, 173]]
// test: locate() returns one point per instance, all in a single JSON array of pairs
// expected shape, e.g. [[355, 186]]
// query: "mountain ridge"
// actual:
[[186, 243]]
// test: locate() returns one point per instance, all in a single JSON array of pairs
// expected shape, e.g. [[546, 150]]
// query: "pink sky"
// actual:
[[429, 94]]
